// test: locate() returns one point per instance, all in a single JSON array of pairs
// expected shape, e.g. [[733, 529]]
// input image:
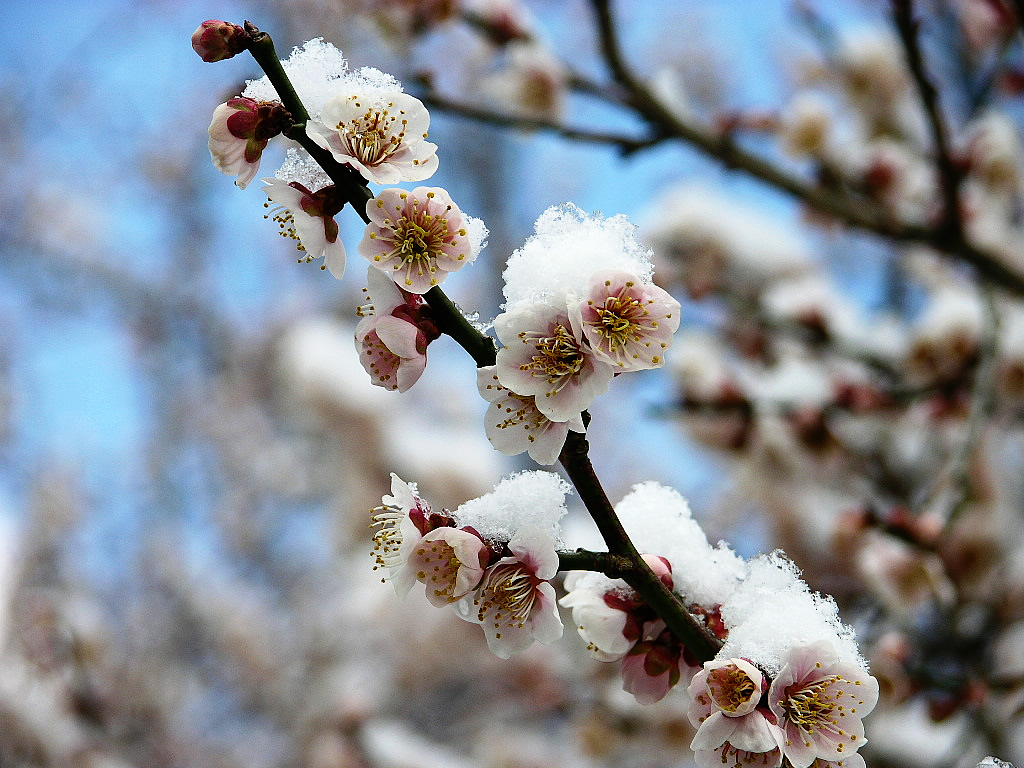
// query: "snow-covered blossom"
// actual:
[[397, 533], [819, 702], [416, 237], [627, 323], [450, 562], [216, 40], [545, 356], [380, 135], [533, 498], [308, 218], [730, 726], [393, 335], [515, 604], [239, 133], [514, 424]]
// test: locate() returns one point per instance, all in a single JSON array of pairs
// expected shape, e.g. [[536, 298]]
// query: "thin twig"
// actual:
[[625, 143], [957, 476], [908, 28]]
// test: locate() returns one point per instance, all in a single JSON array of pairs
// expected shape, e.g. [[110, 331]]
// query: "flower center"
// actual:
[[811, 707], [558, 355], [438, 568], [507, 596], [730, 687], [618, 320], [370, 137]]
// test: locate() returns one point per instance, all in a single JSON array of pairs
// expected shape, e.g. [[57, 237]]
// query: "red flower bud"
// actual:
[[216, 40]]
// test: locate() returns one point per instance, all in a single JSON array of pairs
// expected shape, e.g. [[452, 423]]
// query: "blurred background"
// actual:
[[189, 447]]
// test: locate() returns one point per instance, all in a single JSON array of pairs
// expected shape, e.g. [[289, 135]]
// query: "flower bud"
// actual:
[[216, 40]]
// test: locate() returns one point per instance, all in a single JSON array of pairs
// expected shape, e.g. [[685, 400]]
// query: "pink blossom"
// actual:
[[819, 702], [308, 219], [730, 726], [546, 356], [628, 323], [515, 604], [416, 238], [393, 335], [514, 424], [450, 562], [380, 135], [654, 665], [239, 133]]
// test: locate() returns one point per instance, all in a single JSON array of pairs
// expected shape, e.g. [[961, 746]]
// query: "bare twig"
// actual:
[[908, 28], [490, 117]]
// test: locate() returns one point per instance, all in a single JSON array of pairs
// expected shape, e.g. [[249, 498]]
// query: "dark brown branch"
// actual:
[[909, 28], [855, 212], [666, 603]]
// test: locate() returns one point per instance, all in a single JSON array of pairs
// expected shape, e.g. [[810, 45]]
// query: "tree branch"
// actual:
[[908, 28], [855, 212]]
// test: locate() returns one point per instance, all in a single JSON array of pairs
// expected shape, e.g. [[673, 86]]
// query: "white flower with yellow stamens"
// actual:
[[380, 135], [546, 356], [515, 604], [819, 702]]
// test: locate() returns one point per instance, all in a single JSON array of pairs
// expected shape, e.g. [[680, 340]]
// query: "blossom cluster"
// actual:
[[498, 578], [788, 682]]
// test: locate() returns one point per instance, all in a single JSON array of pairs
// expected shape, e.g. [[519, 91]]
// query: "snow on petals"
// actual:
[[819, 702], [628, 323], [545, 356], [416, 237], [515, 604], [393, 335], [514, 424], [380, 135], [308, 218]]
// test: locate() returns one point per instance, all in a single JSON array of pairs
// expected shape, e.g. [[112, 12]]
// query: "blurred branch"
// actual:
[[627, 144], [855, 212], [982, 405], [909, 28]]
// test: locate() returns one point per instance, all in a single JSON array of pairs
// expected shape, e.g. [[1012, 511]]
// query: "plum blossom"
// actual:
[[600, 616], [450, 562], [819, 702], [380, 135], [514, 424], [628, 323], [654, 665], [393, 335], [416, 238], [397, 533], [239, 132], [308, 218], [730, 726], [545, 356], [515, 604]]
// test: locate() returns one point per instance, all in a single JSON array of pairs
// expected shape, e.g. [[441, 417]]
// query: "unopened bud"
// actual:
[[216, 40]]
